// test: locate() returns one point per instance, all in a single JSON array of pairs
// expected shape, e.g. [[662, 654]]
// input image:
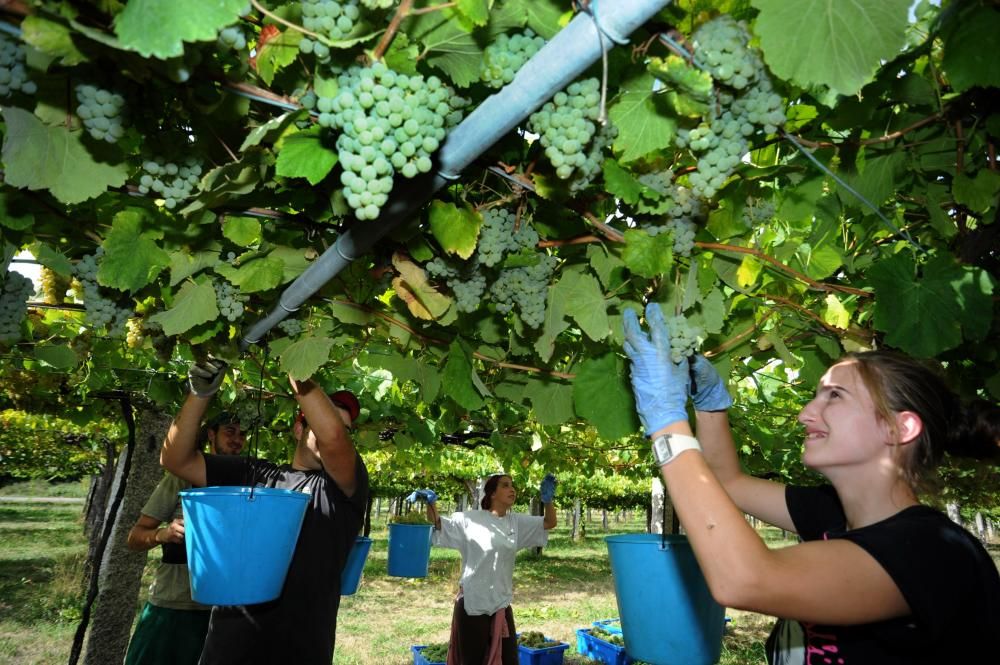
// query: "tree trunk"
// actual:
[[97, 501], [604, 520], [981, 527], [954, 511], [576, 533], [663, 518], [120, 571]]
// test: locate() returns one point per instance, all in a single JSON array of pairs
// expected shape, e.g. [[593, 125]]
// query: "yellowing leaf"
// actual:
[[835, 314], [422, 299]]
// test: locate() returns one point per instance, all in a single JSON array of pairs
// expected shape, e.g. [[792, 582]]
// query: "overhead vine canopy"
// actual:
[[790, 179]]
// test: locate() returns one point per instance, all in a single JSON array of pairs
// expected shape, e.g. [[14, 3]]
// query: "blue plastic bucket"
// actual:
[[409, 549], [239, 544], [668, 616], [350, 578]]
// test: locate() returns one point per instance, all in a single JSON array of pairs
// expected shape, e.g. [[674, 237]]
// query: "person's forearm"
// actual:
[[716, 439], [181, 442], [322, 416], [432, 516], [142, 538], [551, 519]]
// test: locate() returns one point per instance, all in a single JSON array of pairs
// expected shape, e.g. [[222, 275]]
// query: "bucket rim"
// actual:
[[241, 490], [643, 538]]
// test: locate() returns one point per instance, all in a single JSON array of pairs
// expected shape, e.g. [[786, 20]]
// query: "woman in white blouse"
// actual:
[[482, 628]]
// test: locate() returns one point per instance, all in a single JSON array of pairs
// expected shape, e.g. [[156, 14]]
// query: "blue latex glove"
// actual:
[[430, 496], [709, 393], [548, 488], [660, 385]]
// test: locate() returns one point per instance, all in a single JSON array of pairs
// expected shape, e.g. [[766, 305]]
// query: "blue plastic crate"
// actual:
[[611, 625], [547, 656], [418, 658], [596, 648]]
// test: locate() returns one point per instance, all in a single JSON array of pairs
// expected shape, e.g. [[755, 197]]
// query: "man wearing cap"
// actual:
[[300, 626], [172, 627]]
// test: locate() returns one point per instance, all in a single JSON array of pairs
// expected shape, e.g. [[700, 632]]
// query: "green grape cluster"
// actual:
[[334, 19], [54, 286], [102, 112], [594, 160], [684, 338], [501, 234], [683, 232], [292, 327], [14, 305], [163, 346], [566, 124], [527, 287], [13, 76], [503, 58], [435, 653], [758, 212], [229, 299], [466, 283], [378, 4], [134, 336], [721, 48], [175, 182], [389, 123], [612, 638], [683, 211], [101, 311], [746, 105], [232, 38]]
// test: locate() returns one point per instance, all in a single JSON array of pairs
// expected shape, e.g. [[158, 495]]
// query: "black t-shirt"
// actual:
[[944, 573], [300, 626]]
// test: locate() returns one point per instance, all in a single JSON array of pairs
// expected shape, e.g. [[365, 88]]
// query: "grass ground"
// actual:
[[566, 588]]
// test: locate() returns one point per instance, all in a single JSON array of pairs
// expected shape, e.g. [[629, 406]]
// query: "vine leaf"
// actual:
[[53, 39], [41, 157], [878, 180], [277, 53], [456, 229], [422, 299], [159, 29], [552, 403], [602, 395], [457, 377], [642, 129], [966, 62], [276, 125], [584, 301], [184, 264], [303, 358], [542, 16], [132, 259], [646, 255], [193, 305], [58, 356], [856, 38], [13, 213], [304, 155], [260, 274], [925, 314], [52, 259], [243, 231], [476, 12], [555, 323], [978, 193]]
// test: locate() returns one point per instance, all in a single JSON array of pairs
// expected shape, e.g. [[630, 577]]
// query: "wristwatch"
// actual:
[[668, 446]]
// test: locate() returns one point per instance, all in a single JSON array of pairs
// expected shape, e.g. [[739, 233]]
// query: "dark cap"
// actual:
[[222, 418], [347, 400]]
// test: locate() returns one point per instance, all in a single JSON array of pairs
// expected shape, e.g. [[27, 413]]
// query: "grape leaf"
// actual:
[[544, 17], [260, 274], [979, 193], [278, 53], [602, 395], [456, 229], [276, 125], [243, 231], [555, 322], [642, 129], [159, 29], [836, 44], [646, 255], [184, 264], [456, 378], [552, 403], [422, 299], [303, 358], [584, 301], [877, 181], [40, 157], [925, 314], [193, 305], [56, 355], [52, 259], [967, 62], [294, 260], [132, 259], [304, 155], [13, 213], [476, 12], [51, 38], [835, 313]]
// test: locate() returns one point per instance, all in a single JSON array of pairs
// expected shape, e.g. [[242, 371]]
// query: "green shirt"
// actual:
[[171, 586]]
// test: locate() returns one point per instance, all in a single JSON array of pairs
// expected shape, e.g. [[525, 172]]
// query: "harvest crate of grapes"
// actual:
[[601, 645], [533, 648], [436, 654]]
